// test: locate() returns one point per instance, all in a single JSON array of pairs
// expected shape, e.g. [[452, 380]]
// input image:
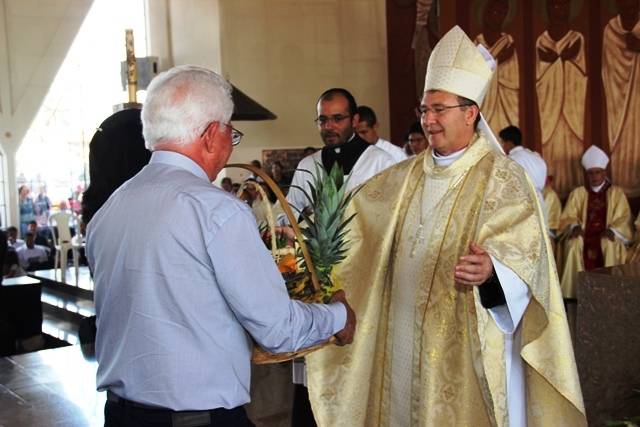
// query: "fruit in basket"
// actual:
[[288, 264]]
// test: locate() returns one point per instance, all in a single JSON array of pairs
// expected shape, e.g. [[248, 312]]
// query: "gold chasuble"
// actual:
[[426, 352]]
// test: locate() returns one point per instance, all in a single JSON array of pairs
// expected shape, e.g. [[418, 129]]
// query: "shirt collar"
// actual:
[[178, 160], [448, 159], [599, 187], [516, 149]]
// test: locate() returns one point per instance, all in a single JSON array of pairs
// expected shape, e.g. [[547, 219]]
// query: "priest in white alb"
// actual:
[[460, 315]]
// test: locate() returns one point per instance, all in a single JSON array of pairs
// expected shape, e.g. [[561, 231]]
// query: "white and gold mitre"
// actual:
[[457, 66]]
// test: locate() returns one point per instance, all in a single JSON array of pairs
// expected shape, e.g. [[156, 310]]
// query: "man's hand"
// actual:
[[345, 336], [287, 233], [576, 231], [473, 269], [608, 234]]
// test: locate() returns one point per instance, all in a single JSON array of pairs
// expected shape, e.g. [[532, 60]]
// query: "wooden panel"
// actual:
[[401, 18]]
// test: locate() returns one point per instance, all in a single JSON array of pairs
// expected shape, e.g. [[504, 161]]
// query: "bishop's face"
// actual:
[[447, 125], [596, 176]]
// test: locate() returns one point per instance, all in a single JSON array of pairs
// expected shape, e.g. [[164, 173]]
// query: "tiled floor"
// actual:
[[50, 388], [57, 388]]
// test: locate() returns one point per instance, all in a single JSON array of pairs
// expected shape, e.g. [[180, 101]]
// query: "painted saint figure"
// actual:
[[621, 80], [561, 85], [500, 106]]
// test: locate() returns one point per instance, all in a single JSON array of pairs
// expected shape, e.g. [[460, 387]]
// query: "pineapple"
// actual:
[[325, 233]]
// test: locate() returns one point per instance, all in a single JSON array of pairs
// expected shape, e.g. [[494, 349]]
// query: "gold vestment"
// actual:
[[458, 360]]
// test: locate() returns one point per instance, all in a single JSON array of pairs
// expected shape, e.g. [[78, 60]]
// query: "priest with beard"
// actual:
[[452, 278], [337, 119]]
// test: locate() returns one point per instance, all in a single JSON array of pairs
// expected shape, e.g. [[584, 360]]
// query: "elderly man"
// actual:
[[451, 275], [368, 130], [595, 223], [176, 307]]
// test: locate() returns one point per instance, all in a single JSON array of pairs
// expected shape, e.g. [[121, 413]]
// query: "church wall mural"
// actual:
[[568, 75]]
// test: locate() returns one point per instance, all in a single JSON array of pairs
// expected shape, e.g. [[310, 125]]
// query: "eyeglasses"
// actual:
[[336, 118], [439, 109], [236, 135]]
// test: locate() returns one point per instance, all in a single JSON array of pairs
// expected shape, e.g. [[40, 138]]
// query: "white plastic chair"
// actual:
[[62, 222]]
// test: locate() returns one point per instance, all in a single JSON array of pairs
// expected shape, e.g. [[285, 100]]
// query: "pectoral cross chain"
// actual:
[[419, 240]]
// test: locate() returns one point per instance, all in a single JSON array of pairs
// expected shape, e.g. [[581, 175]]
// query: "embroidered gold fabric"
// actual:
[[457, 362]]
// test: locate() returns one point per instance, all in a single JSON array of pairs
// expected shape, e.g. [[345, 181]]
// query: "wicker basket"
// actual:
[[261, 356]]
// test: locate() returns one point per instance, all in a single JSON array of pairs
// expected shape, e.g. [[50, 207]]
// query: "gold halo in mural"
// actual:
[[574, 10], [478, 11]]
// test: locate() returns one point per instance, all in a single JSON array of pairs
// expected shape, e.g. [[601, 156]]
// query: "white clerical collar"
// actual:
[[337, 149], [599, 187], [440, 160]]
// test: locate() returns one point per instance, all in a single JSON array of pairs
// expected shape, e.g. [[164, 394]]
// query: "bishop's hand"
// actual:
[[576, 231], [473, 269]]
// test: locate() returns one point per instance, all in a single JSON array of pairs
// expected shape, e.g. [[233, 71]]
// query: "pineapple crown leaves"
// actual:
[[326, 232]]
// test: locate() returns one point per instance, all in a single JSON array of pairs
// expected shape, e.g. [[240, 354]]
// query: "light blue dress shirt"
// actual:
[[182, 280]]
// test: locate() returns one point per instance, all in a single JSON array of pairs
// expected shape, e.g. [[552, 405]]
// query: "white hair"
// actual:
[[181, 102]]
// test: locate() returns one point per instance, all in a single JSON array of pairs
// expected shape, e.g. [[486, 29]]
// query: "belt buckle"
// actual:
[[190, 418]]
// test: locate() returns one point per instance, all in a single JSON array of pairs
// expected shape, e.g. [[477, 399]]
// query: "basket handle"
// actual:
[[292, 218]]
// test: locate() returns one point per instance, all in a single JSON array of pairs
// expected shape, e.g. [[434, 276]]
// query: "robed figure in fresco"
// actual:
[[621, 80], [460, 315], [561, 86], [500, 105]]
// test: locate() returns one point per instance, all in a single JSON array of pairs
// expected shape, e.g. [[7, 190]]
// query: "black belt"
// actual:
[[178, 418]]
